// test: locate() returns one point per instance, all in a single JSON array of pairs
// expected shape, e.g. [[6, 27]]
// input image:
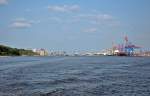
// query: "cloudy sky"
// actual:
[[73, 24]]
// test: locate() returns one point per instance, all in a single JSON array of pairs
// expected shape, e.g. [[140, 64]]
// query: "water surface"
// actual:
[[75, 76]]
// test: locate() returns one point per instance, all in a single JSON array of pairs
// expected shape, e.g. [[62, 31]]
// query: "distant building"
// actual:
[[41, 52], [58, 53]]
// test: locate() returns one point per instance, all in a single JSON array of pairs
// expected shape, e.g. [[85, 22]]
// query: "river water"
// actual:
[[75, 76]]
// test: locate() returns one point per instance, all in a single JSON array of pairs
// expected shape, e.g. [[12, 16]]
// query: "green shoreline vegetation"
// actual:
[[8, 51]]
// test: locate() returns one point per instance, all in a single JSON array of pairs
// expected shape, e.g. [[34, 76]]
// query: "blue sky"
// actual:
[[73, 25]]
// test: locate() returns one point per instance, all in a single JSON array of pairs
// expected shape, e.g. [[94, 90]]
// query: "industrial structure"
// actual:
[[125, 49]]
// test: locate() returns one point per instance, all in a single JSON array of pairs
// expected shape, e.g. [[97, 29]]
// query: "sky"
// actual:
[[74, 25]]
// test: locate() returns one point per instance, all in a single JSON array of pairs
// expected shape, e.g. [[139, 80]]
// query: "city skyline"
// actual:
[[73, 24]]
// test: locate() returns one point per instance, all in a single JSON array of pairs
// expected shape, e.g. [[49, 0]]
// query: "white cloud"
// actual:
[[96, 16], [104, 17], [3, 2], [21, 23], [64, 8], [91, 30], [98, 19]]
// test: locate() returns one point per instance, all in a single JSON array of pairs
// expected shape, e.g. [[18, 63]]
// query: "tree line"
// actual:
[[8, 51]]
